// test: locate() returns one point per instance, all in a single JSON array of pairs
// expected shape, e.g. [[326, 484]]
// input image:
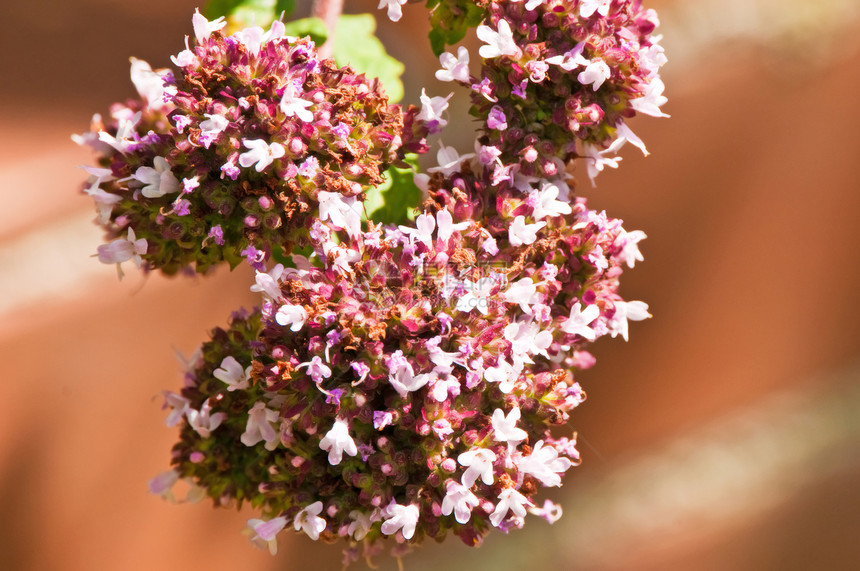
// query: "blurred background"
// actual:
[[724, 435]]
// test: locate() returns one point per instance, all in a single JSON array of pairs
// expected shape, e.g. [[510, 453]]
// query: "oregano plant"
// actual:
[[410, 370]]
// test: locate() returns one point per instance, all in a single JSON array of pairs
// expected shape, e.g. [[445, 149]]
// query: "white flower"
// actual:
[[449, 161], [267, 530], [150, 84], [404, 380], [652, 58], [499, 43], [308, 520], [400, 518], [203, 27], [544, 202], [337, 441], [595, 73], [527, 339], [361, 523], [630, 253], [650, 103], [252, 38], [259, 427], [479, 464], [522, 292], [432, 109], [627, 311], [577, 323], [268, 283], [105, 201], [162, 484], [505, 427], [125, 133], [624, 132], [425, 224], [293, 315], [570, 60], [596, 160], [504, 373], [395, 11], [589, 7], [344, 212], [292, 105], [177, 405], [157, 181], [445, 221], [212, 127], [544, 464], [261, 153], [232, 373], [521, 233], [317, 370], [123, 249], [512, 500], [454, 68], [460, 500], [476, 296], [184, 58], [203, 421]]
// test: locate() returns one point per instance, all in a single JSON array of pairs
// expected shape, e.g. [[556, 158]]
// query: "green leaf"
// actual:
[[392, 201], [356, 45], [313, 27], [243, 13], [450, 20]]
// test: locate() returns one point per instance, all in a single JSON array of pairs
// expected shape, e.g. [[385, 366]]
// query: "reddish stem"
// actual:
[[328, 11]]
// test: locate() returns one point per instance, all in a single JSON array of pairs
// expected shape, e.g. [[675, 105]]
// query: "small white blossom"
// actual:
[[544, 202], [292, 315], [259, 427], [579, 320], [308, 520], [150, 84], [445, 222], [261, 153], [589, 7], [157, 181], [400, 518], [361, 523], [337, 441], [203, 27], [630, 253], [212, 127], [292, 105], [650, 103], [499, 43], [432, 109], [203, 421], [177, 404], [527, 339], [627, 311], [232, 373], [425, 224], [344, 212], [596, 160], [596, 73], [505, 427], [521, 233], [544, 464], [251, 38], [123, 249], [449, 160], [460, 500], [268, 282], [162, 484], [522, 292], [267, 530], [395, 11], [624, 132], [477, 295], [454, 68], [509, 500], [404, 380], [504, 373], [479, 464], [317, 370], [570, 60]]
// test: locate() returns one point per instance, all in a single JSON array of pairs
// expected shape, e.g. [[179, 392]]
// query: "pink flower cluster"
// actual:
[[236, 154], [396, 381]]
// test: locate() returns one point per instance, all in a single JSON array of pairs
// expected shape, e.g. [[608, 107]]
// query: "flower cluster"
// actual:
[[397, 381], [236, 154], [559, 78], [406, 388]]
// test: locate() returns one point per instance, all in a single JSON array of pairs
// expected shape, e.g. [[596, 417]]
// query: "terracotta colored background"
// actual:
[[724, 435]]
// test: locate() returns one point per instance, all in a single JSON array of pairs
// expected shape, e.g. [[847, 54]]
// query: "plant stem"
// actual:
[[328, 11]]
